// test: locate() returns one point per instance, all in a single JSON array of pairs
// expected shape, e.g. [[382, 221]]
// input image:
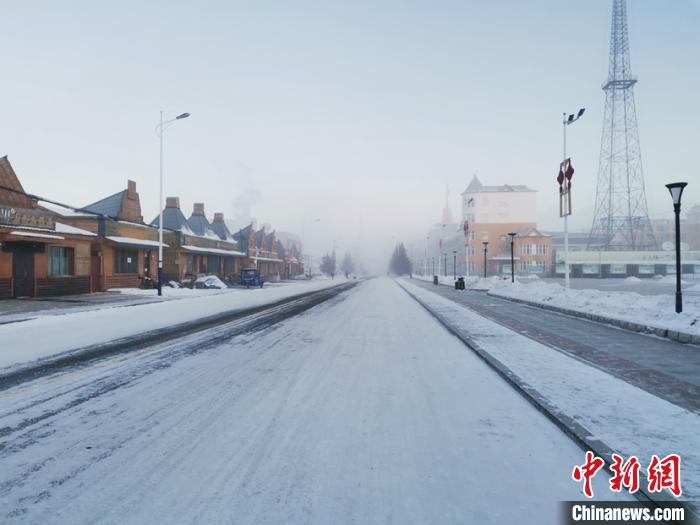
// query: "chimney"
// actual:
[[198, 208], [172, 202], [131, 189], [218, 217]]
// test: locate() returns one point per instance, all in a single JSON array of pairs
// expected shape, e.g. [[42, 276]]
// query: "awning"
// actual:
[[213, 251], [266, 259], [139, 243], [37, 235]]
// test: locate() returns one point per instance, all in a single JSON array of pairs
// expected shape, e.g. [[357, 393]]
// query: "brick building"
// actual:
[[124, 253], [197, 247], [40, 255]]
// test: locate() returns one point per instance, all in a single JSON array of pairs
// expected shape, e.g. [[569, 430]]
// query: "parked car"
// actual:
[[251, 277]]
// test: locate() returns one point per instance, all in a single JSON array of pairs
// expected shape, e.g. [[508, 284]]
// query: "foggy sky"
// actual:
[[353, 113]]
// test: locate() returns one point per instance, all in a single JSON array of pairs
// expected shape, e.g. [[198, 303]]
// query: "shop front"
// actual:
[[40, 261]]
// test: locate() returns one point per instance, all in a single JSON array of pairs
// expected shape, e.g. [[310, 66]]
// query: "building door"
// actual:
[[23, 273], [147, 263], [95, 273]]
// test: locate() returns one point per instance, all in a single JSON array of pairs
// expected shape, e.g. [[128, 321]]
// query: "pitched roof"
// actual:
[[281, 251], [475, 186], [220, 228], [110, 206], [9, 179], [243, 233], [173, 219], [199, 224], [259, 238], [531, 232]]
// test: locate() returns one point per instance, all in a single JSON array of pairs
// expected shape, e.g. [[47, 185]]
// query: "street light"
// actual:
[[567, 121], [454, 264], [512, 257], [676, 190], [486, 249], [159, 131], [444, 264]]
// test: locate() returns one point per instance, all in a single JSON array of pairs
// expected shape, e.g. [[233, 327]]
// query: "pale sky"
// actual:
[[354, 113]]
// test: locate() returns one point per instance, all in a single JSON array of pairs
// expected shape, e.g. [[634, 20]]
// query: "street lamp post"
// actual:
[[567, 122], [512, 256], [676, 190], [454, 264], [486, 249], [159, 131], [444, 264]]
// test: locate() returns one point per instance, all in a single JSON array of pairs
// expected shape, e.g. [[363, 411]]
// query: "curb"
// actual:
[[680, 337], [17, 374], [578, 433]]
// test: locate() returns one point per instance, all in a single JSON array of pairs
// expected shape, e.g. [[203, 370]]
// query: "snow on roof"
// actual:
[[135, 242], [475, 186], [213, 251], [35, 234], [60, 228], [63, 211], [66, 228]]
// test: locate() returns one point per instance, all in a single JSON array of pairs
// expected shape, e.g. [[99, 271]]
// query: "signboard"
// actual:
[[20, 217]]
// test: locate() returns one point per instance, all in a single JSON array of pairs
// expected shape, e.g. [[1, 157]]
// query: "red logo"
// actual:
[[661, 473]]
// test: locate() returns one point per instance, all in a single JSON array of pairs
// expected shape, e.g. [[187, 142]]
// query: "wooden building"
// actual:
[[265, 256], [40, 255], [197, 247], [124, 253]]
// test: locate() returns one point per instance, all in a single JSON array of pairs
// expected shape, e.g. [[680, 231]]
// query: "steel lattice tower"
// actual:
[[621, 219]]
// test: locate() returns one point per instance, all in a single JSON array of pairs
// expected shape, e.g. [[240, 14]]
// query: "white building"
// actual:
[[498, 204]]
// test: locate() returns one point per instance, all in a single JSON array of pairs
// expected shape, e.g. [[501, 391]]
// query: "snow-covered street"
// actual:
[[364, 409]]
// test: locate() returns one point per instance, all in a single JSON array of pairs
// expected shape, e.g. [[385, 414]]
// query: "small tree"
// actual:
[[400, 264], [347, 266], [328, 265]]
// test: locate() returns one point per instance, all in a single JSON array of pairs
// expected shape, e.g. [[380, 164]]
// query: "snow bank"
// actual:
[[626, 418], [52, 334], [212, 281], [655, 311]]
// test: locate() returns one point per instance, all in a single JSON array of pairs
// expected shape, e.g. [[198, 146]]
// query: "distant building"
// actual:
[[692, 227], [491, 213], [505, 204]]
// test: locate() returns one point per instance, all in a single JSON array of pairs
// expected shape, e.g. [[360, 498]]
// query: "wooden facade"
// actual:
[[196, 248], [124, 253], [39, 255]]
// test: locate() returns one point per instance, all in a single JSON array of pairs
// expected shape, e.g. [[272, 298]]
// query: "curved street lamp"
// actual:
[[676, 191], [160, 128]]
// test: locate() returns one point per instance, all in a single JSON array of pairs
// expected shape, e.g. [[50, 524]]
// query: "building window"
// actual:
[[646, 269], [590, 269], [526, 249], [618, 269], [190, 264], [126, 261], [60, 261], [541, 249]]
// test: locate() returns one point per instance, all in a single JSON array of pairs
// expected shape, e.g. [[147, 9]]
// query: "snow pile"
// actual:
[[657, 311], [211, 281], [169, 292], [61, 333], [632, 280]]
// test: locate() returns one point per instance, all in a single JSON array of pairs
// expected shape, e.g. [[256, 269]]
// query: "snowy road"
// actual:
[[361, 410]]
